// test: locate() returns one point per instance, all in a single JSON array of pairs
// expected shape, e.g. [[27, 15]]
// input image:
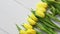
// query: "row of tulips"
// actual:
[[40, 19]]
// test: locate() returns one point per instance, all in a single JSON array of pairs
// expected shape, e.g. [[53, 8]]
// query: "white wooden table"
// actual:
[[12, 13]]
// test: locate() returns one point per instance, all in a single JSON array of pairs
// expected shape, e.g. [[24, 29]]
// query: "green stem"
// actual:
[[38, 32], [53, 31], [50, 22], [58, 11], [53, 17], [40, 26], [49, 29], [46, 23], [53, 10]]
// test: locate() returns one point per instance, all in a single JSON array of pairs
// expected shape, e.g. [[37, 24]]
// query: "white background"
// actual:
[[12, 13]]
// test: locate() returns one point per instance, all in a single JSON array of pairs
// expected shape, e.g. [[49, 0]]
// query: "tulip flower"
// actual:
[[27, 26], [42, 4], [32, 22], [41, 9], [40, 13], [23, 32], [31, 31]]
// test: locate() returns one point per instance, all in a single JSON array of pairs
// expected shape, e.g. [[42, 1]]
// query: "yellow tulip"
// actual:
[[32, 16], [23, 32], [42, 4], [31, 31], [41, 9], [32, 22], [40, 13], [27, 26]]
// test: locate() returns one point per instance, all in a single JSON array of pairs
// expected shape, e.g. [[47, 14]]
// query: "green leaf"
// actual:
[[40, 26], [38, 32], [18, 27], [53, 10], [53, 17]]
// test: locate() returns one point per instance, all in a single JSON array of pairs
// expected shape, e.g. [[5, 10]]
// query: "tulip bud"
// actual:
[[31, 31], [41, 9], [32, 16], [27, 26], [32, 22], [40, 13], [42, 4], [23, 32]]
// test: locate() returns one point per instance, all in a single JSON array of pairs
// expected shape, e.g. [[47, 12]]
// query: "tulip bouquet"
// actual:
[[42, 17]]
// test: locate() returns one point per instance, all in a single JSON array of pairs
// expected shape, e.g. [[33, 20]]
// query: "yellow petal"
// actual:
[[31, 31], [42, 4], [41, 9], [32, 16], [27, 26], [32, 22], [40, 14], [23, 32]]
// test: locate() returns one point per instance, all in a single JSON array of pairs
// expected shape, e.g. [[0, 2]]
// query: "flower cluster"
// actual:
[[29, 29], [32, 19], [41, 19], [41, 9]]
